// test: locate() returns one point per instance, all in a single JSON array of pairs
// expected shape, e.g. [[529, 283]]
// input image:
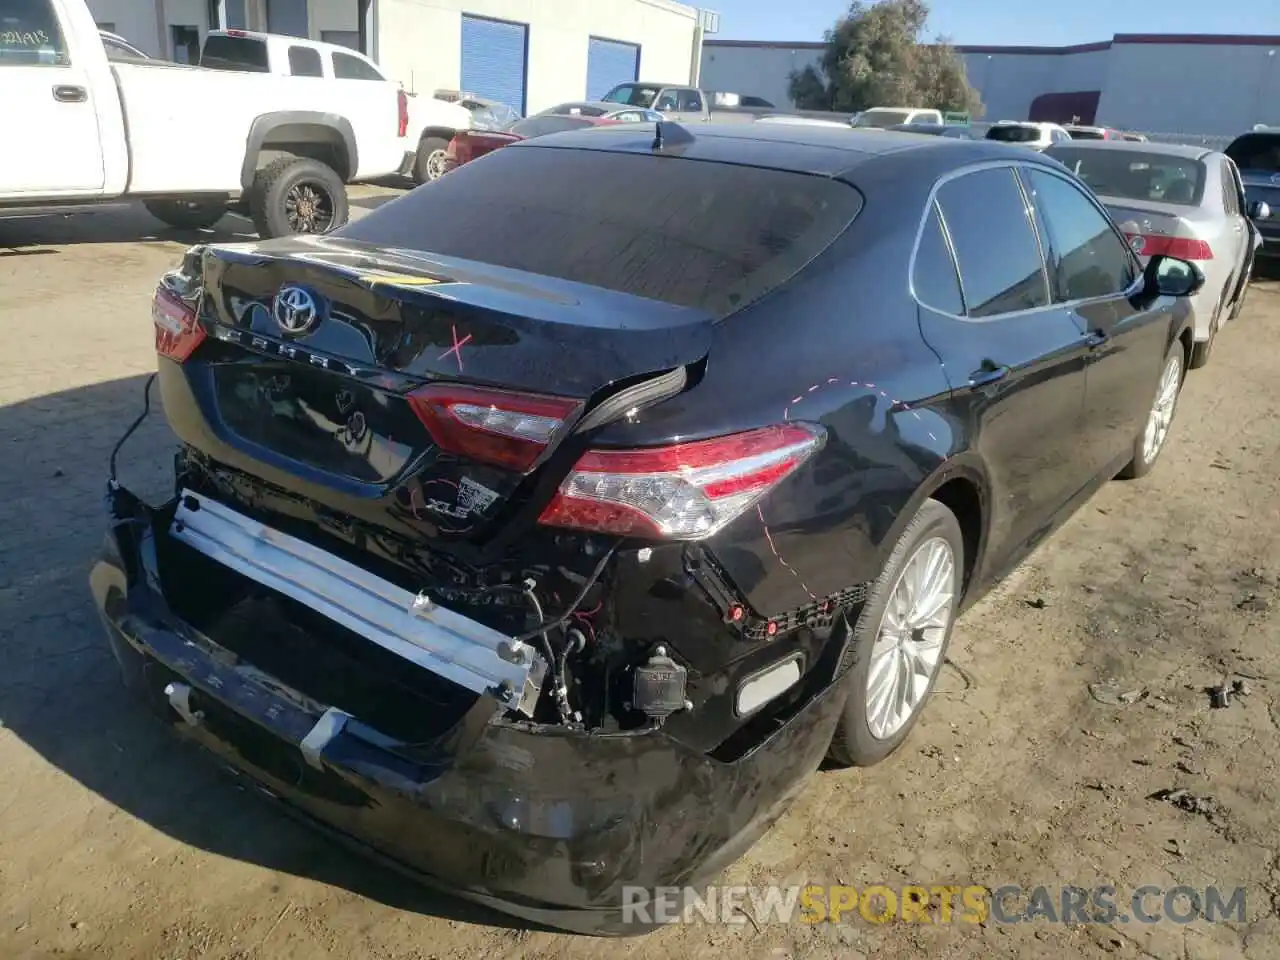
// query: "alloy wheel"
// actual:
[[1161, 417], [309, 208], [908, 647]]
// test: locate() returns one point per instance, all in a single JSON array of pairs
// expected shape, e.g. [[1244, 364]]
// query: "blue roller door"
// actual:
[[609, 63], [288, 17], [494, 56]]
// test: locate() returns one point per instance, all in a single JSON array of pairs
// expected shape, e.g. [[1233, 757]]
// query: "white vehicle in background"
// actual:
[[789, 120], [1028, 133], [191, 144], [881, 118], [428, 124], [1185, 202]]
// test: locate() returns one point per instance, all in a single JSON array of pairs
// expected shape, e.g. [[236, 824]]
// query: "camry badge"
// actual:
[[294, 309]]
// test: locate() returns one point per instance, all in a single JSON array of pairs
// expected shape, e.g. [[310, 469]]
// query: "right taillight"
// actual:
[[685, 491], [178, 332], [402, 113]]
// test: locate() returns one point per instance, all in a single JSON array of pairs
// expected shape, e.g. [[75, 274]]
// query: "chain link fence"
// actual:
[[1209, 141]]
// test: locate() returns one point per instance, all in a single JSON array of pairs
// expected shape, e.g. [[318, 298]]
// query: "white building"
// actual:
[[531, 54], [1159, 83]]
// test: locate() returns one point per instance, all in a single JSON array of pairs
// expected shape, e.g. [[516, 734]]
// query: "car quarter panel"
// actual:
[[840, 346]]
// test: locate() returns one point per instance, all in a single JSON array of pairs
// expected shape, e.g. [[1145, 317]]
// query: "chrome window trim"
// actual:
[[1016, 165]]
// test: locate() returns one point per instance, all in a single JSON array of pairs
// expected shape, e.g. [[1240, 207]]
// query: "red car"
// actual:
[[469, 144]]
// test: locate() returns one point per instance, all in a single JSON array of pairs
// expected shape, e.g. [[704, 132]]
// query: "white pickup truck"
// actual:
[[431, 124], [190, 143]]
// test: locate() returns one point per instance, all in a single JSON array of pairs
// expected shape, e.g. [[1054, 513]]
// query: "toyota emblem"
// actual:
[[295, 310]]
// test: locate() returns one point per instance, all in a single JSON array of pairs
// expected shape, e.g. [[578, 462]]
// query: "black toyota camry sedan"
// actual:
[[543, 536]]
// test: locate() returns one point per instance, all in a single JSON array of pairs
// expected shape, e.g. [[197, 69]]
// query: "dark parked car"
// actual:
[[546, 541], [935, 130], [1257, 157]]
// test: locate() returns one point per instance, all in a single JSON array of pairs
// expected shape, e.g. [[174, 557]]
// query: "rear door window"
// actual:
[[1001, 267], [690, 100], [1257, 152], [29, 34], [305, 62], [1230, 192], [565, 213], [1089, 258]]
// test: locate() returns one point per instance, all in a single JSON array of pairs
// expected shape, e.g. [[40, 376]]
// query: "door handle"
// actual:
[[987, 374], [65, 93], [1096, 339]]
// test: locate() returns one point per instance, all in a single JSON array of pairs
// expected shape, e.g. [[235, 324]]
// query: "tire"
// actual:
[[857, 741], [1144, 458], [1201, 351], [1244, 292], [429, 164], [187, 214], [297, 180]]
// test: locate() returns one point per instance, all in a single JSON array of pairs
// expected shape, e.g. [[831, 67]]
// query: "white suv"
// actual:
[[1028, 133]]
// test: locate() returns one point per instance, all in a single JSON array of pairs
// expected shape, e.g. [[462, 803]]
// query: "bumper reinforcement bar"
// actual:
[[411, 626]]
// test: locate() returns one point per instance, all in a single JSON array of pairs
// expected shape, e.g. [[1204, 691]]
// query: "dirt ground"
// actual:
[[118, 841]]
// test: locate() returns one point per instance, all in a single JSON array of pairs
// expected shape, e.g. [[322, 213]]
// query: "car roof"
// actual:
[[1140, 146], [793, 147]]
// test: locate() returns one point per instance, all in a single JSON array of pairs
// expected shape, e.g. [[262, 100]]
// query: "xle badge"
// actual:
[[473, 498]]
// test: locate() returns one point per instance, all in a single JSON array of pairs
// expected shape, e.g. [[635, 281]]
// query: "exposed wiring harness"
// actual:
[[146, 410]]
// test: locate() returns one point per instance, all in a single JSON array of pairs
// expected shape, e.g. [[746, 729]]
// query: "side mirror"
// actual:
[[1258, 210], [1167, 276]]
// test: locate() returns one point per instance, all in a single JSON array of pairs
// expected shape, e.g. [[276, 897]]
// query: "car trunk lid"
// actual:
[[1152, 228], [439, 385]]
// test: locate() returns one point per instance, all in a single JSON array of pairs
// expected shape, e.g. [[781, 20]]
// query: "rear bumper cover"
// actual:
[[546, 824]]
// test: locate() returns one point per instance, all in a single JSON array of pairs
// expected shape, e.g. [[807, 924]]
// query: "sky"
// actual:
[[1007, 21]]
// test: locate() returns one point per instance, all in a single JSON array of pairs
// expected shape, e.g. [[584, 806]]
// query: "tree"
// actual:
[[874, 57]]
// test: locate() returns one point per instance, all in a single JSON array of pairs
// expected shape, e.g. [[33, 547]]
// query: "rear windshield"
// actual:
[[633, 94], [1008, 133], [1256, 151], [1077, 134], [541, 126], [574, 215], [1131, 175], [882, 118], [235, 53]]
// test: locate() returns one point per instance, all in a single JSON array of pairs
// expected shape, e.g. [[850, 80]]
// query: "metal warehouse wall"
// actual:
[[141, 23], [1009, 82], [1191, 88], [419, 41], [753, 69]]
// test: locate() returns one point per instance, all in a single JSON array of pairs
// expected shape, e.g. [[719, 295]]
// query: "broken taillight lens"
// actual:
[[499, 427], [178, 332], [687, 491]]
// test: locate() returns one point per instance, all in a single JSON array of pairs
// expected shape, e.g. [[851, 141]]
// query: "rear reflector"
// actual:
[[683, 492], [402, 112], [178, 333], [505, 429], [1184, 248]]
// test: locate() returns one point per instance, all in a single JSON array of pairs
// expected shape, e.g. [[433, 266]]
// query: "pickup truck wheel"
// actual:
[[900, 639], [297, 195], [187, 214], [430, 162]]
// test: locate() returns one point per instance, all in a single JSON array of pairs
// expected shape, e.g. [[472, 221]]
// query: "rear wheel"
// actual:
[[431, 163], [1151, 439], [901, 638], [187, 214], [297, 195]]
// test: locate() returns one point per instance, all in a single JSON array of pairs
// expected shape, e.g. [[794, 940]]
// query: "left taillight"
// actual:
[[402, 112], [178, 332], [685, 491], [498, 427]]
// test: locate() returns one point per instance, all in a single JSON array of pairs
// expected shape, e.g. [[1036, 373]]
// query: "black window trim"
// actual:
[[1016, 166]]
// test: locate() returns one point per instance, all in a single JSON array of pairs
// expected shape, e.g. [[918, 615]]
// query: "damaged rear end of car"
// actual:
[[409, 582]]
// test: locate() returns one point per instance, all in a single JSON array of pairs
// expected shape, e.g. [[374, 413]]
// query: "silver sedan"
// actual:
[[1187, 202]]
